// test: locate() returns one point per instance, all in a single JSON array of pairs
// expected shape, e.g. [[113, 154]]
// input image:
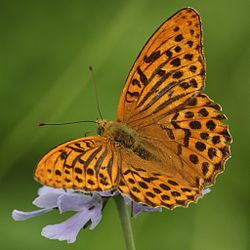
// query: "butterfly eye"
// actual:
[[100, 130]]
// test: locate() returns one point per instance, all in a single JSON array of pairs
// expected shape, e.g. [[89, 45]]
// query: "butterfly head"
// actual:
[[103, 126]]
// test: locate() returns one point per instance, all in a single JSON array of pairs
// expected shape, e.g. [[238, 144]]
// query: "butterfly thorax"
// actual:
[[124, 136]]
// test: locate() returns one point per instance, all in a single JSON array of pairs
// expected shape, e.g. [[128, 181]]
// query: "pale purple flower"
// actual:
[[138, 208], [88, 207], [204, 192]]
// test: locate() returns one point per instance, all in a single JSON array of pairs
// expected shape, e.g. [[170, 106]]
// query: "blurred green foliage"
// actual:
[[46, 47]]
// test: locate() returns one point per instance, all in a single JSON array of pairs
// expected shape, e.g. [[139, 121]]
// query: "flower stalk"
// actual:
[[126, 222]]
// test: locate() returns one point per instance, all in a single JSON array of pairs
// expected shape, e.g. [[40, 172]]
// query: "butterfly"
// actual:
[[168, 142]]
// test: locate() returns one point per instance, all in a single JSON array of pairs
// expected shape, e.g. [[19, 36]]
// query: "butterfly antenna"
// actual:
[[95, 91], [63, 123]]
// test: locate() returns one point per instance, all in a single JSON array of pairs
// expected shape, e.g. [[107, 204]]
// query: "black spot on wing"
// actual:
[[143, 78], [154, 56]]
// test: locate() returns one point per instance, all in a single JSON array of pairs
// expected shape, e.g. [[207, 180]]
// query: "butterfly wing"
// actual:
[[146, 182], [89, 164], [197, 135], [162, 102], [191, 151], [169, 70]]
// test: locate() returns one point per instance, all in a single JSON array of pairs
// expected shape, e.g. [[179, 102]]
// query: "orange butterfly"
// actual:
[[168, 142]]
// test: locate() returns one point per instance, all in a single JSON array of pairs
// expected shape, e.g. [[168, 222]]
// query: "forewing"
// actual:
[[89, 164], [169, 70]]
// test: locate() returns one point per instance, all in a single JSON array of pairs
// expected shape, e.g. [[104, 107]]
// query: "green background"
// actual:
[[46, 47]]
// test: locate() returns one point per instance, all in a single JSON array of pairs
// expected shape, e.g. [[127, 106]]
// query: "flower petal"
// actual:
[[127, 200], [78, 201], [108, 193], [47, 190], [139, 208], [48, 197], [68, 229], [96, 216], [205, 191], [20, 215]]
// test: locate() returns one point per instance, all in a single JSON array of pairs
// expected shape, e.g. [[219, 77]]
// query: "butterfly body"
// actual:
[[168, 142], [125, 137]]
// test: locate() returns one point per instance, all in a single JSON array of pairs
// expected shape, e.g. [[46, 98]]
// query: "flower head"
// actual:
[[88, 208]]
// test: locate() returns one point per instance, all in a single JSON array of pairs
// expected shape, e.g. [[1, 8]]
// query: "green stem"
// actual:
[[126, 223]]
